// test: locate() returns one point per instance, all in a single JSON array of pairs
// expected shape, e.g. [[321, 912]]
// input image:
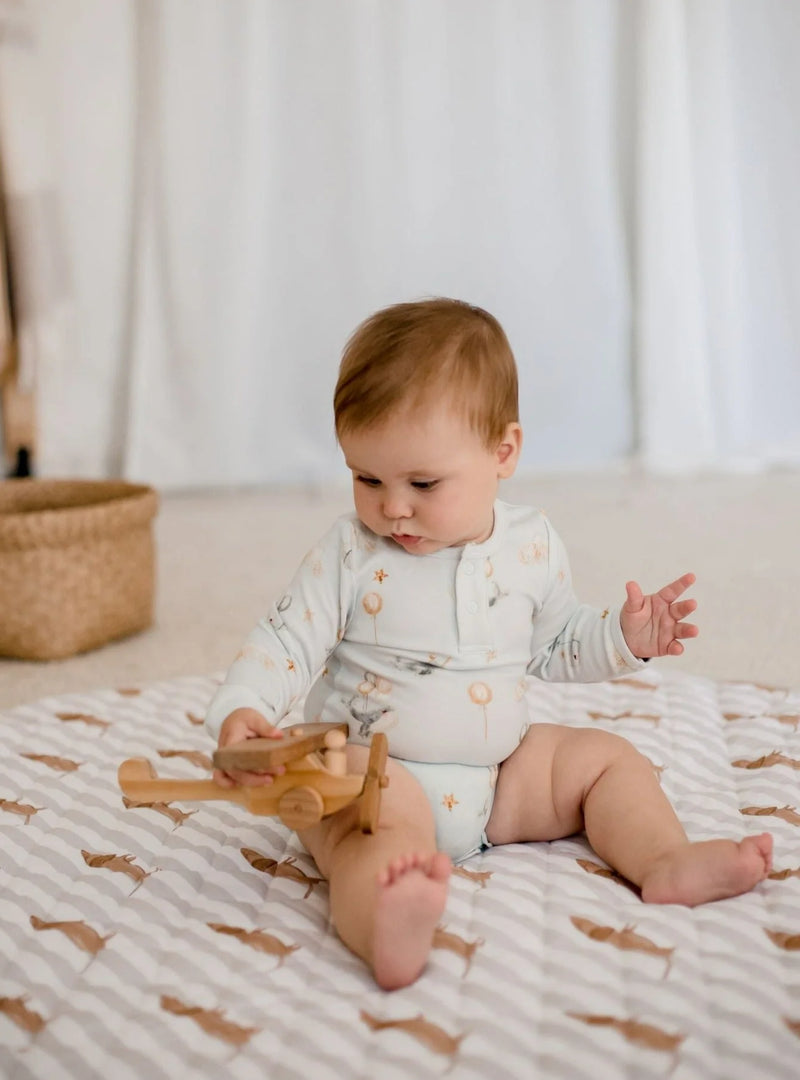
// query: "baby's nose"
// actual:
[[396, 506]]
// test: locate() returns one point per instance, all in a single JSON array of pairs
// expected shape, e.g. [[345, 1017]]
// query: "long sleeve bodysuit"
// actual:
[[435, 650]]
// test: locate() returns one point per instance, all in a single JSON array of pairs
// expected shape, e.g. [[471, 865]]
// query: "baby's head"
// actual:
[[410, 355], [427, 416]]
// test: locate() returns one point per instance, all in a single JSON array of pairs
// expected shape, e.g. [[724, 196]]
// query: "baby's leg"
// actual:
[[561, 780], [388, 889]]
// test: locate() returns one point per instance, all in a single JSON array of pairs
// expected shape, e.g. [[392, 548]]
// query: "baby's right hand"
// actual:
[[239, 725]]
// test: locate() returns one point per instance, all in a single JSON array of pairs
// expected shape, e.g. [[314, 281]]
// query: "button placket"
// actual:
[[471, 606]]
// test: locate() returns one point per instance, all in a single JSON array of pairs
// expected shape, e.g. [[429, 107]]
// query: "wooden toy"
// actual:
[[316, 782]]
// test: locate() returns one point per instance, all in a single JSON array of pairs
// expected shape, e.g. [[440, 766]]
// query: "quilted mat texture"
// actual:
[[173, 940]]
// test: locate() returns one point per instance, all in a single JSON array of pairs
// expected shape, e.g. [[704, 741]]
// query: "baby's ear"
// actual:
[[508, 451]]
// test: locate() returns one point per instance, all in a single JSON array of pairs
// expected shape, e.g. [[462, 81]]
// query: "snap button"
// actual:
[[469, 568], [472, 607]]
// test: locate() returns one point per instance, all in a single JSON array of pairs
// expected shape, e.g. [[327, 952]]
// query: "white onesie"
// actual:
[[434, 650]]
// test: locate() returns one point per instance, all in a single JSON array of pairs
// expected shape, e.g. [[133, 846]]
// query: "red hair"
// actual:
[[401, 355]]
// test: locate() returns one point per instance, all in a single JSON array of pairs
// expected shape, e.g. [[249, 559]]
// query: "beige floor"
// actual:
[[222, 557]]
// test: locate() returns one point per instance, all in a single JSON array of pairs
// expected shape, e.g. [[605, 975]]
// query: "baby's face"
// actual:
[[427, 480]]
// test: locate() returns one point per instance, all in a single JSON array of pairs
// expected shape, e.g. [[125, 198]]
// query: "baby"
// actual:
[[423, 615]]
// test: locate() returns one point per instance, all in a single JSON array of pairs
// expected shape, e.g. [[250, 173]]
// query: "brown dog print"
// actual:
[[785, 813], [789, 942], [84, 718], [16, 1009], [430, 1035], [634, 1031], [626, 939], [480, 877], [21, 809], [444, 939], [766, 761], [176, 816], [792, 720], [605, 872], [635, 684], [257, 939], [58, 764], [121, 864], [212, 1021], [783, 875], [286, 868], [78, 932], [652, 718]]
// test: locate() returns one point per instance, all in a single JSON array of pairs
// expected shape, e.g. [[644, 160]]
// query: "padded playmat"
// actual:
[[193, 939]]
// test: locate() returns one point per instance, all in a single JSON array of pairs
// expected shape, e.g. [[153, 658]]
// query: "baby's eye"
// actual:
[[370, 481], [424, 485]]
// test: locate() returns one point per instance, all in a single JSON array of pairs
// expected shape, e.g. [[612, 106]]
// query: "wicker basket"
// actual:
[[77, 565]]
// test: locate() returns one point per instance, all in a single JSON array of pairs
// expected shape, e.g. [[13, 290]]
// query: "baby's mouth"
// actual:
[[406, 540]]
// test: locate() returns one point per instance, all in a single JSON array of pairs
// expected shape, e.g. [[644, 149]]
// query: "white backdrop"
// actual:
[[241, 182]]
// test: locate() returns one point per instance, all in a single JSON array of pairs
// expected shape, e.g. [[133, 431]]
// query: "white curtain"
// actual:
[[242, 181], [717, 234], [35, 312]]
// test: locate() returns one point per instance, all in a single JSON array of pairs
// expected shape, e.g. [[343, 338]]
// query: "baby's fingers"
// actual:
[[222, 779], [682, 630], [265, 730], [635, 600], [242, 778], [253, 779], [681, 610], [675, 588]]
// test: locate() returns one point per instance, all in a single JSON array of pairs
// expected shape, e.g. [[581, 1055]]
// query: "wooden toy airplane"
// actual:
[[316, 782]]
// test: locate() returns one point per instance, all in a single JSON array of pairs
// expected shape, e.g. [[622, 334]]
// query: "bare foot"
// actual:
[[412, 892], [709, 870]]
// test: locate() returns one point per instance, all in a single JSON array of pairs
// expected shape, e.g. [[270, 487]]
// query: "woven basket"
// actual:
[[77, 565]]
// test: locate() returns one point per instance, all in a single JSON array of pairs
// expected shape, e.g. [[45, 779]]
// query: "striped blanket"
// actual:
[[168, 940]]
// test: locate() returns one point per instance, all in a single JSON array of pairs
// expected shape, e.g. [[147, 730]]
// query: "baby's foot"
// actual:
[[412, 892], [710, 870]]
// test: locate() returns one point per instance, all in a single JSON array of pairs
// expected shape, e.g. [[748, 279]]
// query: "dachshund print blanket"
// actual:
[[181, 939]]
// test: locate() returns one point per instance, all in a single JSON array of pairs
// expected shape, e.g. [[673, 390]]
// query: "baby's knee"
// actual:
[[604, 749]]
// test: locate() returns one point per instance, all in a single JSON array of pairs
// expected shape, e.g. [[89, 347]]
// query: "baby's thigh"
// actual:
[[542, 784]]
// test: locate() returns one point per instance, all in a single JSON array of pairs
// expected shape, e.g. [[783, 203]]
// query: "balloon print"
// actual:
[[372, 604], [481, 695]]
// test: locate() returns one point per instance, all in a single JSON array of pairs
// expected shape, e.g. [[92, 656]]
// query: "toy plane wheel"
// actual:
[[370, 803], [300, 807]]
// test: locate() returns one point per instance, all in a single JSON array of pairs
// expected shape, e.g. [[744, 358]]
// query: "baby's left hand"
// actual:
[[652, 625]]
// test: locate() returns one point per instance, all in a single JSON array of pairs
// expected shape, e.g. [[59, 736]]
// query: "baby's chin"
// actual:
[[423, 545]]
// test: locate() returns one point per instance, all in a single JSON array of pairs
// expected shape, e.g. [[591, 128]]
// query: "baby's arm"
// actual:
[[285, 651], [576, 642]]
